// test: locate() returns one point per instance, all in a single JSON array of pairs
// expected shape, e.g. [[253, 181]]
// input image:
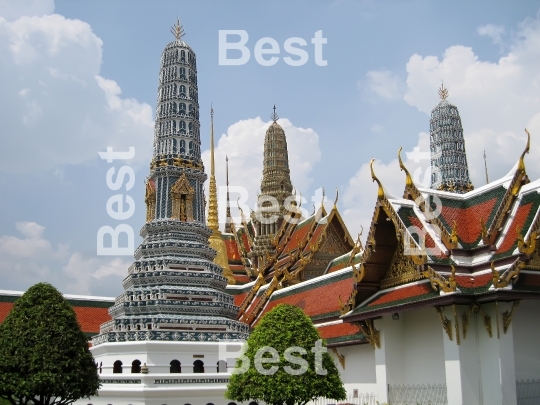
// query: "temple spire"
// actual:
[[228, 220], [449, 168], [485, 166]]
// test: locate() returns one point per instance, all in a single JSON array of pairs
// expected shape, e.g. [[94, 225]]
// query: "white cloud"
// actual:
[[33, 258], [495, 32], [14, 9], [56, 108], [496, 100], [384, 84], [361, 193], [244, 143]]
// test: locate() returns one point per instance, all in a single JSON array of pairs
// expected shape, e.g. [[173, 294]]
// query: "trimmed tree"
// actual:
[[44, 356], [297, 371]]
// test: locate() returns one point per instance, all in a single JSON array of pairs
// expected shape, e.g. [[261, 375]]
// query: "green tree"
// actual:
[[284, 328], [44, 356]]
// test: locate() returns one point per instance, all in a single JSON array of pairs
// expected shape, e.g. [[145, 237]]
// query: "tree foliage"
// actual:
[[284, 327], [44, 356]]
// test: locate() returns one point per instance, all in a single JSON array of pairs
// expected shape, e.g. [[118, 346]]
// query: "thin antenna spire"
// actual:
[[274, 115], [177, 30], [212, 166], [485, 165]]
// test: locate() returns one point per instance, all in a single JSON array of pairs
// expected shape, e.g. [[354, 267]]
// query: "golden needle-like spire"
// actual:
[[213, 221]]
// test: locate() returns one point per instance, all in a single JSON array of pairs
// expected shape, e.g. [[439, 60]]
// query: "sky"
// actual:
[[78, 77]]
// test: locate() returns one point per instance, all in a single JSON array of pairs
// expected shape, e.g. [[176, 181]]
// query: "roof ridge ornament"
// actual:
[[178, 30], [521, 165], [380, 191], [443, 92], [408, 179]]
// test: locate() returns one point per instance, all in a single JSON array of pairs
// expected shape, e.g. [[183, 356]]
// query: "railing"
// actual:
[[528, 392], [421, 394], [361, 399]]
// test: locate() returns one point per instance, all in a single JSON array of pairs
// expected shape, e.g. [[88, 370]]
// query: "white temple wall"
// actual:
[[526, 328], [359, 372], [423, 347]]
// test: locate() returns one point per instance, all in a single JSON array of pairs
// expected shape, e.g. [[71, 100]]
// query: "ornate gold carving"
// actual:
[[507, 315], [182, 199], [349, 305], [335, 203], [526, 247], [456, 324], [446, 323], [358, 273], [454, 235], [465, 321], [484, 231], [340, 357], [150, 200], [373, 336], [485, 317], [438, 280], [502, 280], [402, 269], [380, 192], [521, 164]]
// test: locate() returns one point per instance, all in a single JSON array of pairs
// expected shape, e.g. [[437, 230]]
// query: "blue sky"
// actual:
[[80, 76]]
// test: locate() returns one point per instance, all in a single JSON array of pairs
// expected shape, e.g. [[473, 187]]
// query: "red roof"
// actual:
[[89, 318], [518, 221], [338, 330], [316, 301], [468, 219], [402, 293]]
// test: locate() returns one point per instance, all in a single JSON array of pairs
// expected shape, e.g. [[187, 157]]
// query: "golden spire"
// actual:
[[443, 92], [177, 30], [213, 220], [380, 191], [228, 220], [216, 242]]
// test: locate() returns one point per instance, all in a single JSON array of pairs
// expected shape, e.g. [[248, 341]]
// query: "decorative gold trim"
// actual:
[[337, 198], [182, 199], [456, 324], [484, 231], [485, 317], [502, 280], [454, 235], [340, 357], [443, 92], [465, 320], [446, 323], [507, 315], [373, 336], [526, 247], [150, 200], [437, 279]]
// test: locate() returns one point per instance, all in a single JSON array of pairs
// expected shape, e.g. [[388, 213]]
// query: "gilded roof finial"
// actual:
[[337, 198], [408, 178], [521, 165], [443, 92], [177, 30], [274, 115], [485, 166], [380, 191]]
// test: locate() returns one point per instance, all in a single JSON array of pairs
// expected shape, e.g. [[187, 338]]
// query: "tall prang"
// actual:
[[449, 169], [174, 291], [276, 184]]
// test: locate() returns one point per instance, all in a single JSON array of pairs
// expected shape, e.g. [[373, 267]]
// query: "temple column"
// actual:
[[389, 358], [481, 369]]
